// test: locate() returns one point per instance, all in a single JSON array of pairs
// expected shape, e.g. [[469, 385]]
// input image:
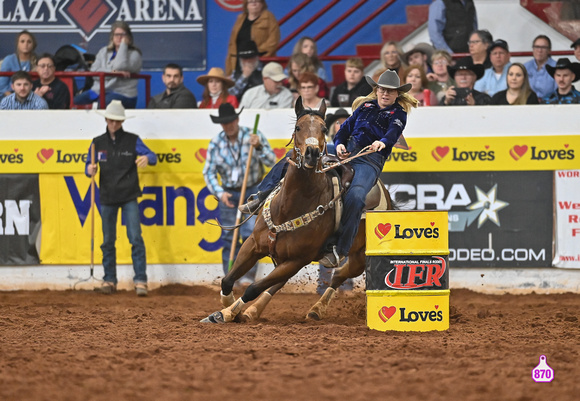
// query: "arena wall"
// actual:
[[471, 130]]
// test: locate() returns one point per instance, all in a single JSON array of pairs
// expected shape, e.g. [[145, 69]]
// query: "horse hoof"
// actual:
[[216, 317], [313, 316]]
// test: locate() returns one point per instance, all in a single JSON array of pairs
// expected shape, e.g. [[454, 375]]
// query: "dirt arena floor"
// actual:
[[85, 346]]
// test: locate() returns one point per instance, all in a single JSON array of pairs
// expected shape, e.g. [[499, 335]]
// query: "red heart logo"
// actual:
[[201, 155], [487, 146], [280, 153], [16, 150], [432, 223], [440, 152], [385, 313], [566, 145], [436, 306], [45, 154], [382, 229], [173, 149], [518, 151]]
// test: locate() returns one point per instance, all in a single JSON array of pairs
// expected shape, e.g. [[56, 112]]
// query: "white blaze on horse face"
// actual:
[[310, 141]]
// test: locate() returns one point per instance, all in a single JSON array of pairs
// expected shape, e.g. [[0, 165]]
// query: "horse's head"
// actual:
[[309, 134]]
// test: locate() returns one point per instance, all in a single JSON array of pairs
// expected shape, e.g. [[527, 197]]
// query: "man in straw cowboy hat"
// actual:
[[119, 154], [175, 95], [224, 172], [564, 73]]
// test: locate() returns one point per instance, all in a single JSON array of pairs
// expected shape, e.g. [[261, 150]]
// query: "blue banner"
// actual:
[[165, 30]]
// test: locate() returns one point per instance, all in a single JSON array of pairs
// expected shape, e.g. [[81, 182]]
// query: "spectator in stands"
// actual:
[[120, 56], [249, 74], [576, 47], [540, 81], [227, 156], [308, 89], [564, 73], [256, 23], [119, 154], [353, 86], [271, 94], [415, 75], [333, 122], [479, 42], [421, 55], [175, 95], [215, 90], [307, 45], [391, 59], [518, 88], [450, 24], [494, 78], [465, 73], [23, 97], [298, 64], [24, 59], [48, 86], [439, 79]]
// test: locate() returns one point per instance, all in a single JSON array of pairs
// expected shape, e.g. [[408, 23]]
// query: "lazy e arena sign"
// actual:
[[160, 27]]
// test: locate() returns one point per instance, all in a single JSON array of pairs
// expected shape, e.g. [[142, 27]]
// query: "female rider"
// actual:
[[378, 121]]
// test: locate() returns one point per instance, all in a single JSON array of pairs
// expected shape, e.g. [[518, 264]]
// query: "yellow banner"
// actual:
[[408, 310], [176, 213], [69, 156], [424, 154], [486, 154], [407, 233]]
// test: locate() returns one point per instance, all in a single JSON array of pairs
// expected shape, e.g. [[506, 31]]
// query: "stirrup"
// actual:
[[251, 206], [331, 259]]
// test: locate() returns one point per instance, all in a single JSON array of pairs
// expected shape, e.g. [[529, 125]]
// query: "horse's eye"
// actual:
[[325, 130], [297, 129]]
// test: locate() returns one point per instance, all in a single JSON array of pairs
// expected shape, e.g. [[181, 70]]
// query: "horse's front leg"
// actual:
[[254, 311], [246, 259], [281, 274]]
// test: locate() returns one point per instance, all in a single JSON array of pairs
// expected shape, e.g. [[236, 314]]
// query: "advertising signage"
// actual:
[[165, 31], [496, 219]]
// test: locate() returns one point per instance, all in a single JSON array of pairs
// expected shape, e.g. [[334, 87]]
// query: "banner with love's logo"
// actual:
[[424, 154], [70, 156]]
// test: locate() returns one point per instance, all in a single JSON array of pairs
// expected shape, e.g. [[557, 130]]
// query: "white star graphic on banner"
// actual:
[[489, 204]]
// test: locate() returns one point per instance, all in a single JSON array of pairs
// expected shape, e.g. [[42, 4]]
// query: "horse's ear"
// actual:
[[322, 109], [298, 107]]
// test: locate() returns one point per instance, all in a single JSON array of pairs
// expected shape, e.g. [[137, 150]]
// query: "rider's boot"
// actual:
[[331, 259], [254, 202]]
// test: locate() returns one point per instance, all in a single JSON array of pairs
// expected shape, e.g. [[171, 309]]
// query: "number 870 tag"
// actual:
[[543, 373]]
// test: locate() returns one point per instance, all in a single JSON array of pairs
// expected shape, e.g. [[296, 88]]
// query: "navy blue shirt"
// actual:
[[370, 123]]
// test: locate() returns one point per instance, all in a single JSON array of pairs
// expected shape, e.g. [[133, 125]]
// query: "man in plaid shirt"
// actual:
[[224, 171], [23, 98]]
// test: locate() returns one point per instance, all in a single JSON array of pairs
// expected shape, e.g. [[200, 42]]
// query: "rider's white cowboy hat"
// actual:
[[115, 111], [390, 80]]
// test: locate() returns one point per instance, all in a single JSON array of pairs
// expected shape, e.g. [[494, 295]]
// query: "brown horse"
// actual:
[[299, 219]]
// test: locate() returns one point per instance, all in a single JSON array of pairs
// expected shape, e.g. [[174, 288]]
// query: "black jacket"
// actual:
[[459, 24]]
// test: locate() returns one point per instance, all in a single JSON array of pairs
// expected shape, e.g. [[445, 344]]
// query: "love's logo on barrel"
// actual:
[[386, 312]]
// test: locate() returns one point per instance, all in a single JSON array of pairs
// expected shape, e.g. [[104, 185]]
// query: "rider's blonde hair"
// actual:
[[406, 101]]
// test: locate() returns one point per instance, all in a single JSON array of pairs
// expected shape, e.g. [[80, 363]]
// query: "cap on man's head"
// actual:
[[248, 49], [499, 43], [576, 43], [274, 71]]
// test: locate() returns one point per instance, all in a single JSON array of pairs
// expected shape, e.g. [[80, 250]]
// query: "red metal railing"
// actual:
[[338, 20], [101, 76], [294, 11]]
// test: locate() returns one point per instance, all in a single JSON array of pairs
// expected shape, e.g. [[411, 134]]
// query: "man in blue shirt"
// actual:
[[494, 78], [540, 81], [564, 73], [23, 98]]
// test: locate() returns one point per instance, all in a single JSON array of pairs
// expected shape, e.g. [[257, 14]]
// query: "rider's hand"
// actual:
[[377, 146], [225, 198], [341, 151]]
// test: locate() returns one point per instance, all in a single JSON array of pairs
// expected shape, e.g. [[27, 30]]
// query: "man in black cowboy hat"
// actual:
[[224, 172], [564, 73], [249, 71], [465, 73]]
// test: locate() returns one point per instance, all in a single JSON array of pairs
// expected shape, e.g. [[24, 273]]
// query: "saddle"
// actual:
[[342, 178]]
